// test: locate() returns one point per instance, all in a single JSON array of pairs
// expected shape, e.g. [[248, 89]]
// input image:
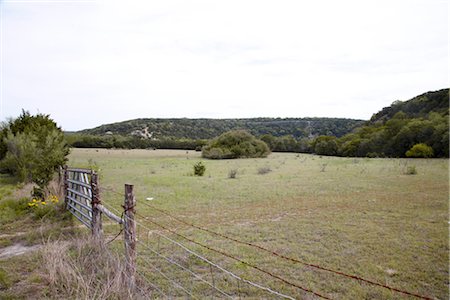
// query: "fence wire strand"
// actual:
[[110, 255], [368, 281], [256, 285], [176, 284], [291, 259], [185, 269]]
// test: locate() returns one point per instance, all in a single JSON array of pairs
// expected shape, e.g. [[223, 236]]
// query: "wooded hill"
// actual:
[[391, 132], [211, 128], [397, 128]]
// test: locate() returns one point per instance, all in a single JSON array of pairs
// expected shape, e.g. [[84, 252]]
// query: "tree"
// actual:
[[420, 150], [325, 145], [235, 144], [33, 147]]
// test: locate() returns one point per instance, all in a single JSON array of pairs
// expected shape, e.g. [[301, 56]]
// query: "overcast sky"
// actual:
[[88, 63]]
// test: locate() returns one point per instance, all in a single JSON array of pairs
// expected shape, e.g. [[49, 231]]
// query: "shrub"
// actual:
[[32, 148], [232, 173], [420, 150], [199, 169], [235, 144], [264, 170], [411, 170], [325, 145]]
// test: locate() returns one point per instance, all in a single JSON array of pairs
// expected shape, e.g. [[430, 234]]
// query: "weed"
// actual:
[[11, 209], [199, 169], [411, 170], [5, 281], [264, 170], [83, 268], [232, 173], [93, 165]]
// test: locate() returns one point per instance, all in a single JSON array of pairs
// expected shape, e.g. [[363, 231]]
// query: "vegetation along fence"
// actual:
[[170, 264], [82, 199]]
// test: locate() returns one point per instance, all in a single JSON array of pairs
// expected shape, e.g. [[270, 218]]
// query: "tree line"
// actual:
[[210, 128], [392, 132]]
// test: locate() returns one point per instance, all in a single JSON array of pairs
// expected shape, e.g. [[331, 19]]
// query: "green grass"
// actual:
[[361, 216], [21, 276]]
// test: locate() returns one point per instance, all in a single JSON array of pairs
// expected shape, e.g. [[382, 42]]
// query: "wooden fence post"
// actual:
[[130, 234], [66, 185], [96, 213]]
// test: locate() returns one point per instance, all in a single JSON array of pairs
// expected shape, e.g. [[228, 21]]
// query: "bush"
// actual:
[[32, 148], [325, 145], [264, 170], [235, 144], [199, 169], [232, 173], [420, 150], [411, 170]]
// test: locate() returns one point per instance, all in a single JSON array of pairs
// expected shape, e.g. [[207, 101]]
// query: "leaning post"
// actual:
[[130, 235], [96, 213]]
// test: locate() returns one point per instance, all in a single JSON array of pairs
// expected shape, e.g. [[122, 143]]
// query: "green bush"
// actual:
[[32, 148], [325, 145], [411, 170], [199, 169], [235, 144], [420, 150]]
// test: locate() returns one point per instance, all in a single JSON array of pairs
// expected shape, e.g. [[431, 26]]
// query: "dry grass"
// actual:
[[84, 269]]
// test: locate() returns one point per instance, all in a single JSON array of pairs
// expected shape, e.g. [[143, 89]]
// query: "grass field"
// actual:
[[365, 217]]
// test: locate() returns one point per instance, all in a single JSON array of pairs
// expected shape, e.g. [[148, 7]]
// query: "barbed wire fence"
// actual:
[[162, 262]]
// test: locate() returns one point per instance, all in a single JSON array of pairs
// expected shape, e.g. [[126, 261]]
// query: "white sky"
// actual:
[[88, 63]]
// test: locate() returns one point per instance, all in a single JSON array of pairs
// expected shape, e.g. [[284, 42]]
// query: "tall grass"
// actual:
[[85, 269]]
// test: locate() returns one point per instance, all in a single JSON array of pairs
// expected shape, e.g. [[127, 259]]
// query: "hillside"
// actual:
[[397, 128], [210, 128], [391, 132], [418, 107]]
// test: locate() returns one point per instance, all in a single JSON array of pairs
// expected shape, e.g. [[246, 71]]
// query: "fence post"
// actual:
[[96, 213], [130, 234], [66, 185]]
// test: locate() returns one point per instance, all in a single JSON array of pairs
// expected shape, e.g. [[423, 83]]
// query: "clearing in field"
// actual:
[[370, 218]]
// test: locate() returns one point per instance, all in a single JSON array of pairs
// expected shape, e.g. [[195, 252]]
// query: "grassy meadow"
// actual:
[[365, 217]]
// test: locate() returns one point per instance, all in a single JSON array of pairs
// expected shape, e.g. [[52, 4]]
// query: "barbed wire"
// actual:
[[176, 284], [184, 268], [287, 257], [108, 252], [291, 259], [214, 264], [151, 284], [238, 260]]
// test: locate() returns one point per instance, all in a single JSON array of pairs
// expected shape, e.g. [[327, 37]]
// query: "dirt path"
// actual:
[[17, 249]]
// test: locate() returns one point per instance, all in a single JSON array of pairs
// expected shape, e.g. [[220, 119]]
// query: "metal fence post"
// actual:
[[130, 234], [96, 213]]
